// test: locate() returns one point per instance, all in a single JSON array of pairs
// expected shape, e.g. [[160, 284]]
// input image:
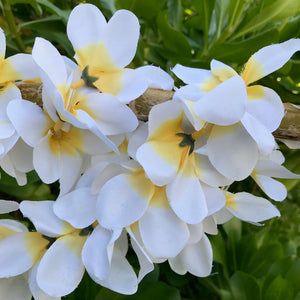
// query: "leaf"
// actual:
[[279, 289], [33, 3], [175, 13], [239, 52], [55, 10], [276, 10], [173, 40], [51, 23], [244, 287]]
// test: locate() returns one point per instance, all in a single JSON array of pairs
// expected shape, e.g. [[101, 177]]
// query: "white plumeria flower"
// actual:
[[84, 108], [268, 167], [204, 84], [246, 207], [103, 50], [20, 254], [59, 147], [169, 157]]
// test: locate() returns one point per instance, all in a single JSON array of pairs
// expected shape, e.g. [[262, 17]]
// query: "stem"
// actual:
[[12, 25]]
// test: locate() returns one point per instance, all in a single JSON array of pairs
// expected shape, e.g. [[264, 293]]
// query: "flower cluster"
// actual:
[[158, 187]]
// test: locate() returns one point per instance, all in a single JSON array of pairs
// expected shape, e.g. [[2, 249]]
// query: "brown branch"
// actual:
[[289, 128]]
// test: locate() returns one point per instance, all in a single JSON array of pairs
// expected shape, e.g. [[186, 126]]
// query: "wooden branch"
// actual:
[[289, 128]]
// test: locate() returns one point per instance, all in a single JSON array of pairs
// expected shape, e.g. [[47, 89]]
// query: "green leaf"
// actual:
[[279, 289], [239, 52], [173, 40], [51, 23], [33, 3], [175, 13], [55, 10], [244, 287], [276, 10]]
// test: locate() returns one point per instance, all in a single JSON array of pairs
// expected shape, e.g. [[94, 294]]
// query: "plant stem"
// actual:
[[12, 25]]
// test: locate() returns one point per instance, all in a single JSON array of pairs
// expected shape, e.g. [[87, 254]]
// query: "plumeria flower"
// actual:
[[7, 206], [268, 167], [246, 207], [169, 157], [20, 253], [84, 107], [59, 147], [103, 50]]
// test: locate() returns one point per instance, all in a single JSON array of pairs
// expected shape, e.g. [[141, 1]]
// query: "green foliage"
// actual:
[[249, 262]]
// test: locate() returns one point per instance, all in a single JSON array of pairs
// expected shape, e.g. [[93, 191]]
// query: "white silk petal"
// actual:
[[162, 232], [61, 269], [43, 218], [191, 75], [232, 151], [85, 25], [225, 104], [248, 207], [7, 206], [214, 197], [76, 207], [263, 137]]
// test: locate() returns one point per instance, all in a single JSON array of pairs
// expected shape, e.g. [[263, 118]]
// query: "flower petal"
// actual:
[[269, 59], [43, 218], [266, 106], [214, 197], [232, 151], [225, 104], [191, 75], [7, 206], [61, 269], [123, 200], [90, 31], [76, 207], [248, 207], [162, 232], [2, 45], [262, 136]]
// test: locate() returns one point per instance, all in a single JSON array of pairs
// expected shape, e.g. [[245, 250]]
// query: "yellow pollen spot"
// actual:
[[255, 92], [35, 244], [253, 71], [159, 198]]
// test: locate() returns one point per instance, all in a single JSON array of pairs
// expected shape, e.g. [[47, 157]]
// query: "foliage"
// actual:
[[250, 262]]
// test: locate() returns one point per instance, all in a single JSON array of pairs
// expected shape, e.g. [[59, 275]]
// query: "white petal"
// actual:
[[2, 44], [272, 169], [157, 78], [50, 61], [263, 137], [90, 30], [28, 119], [196, 232], [266, 107], [187, 198], [61, 269], [23, 65], [76, 207], [196, 258], [138, 138], [111, 116], [121, 37], [94, 253], [191, 75], [121, 278], [163, 233], [221, 70], [248, 207], [222, 216], [225, 104], [7, 206], [43, 218], [232, 151], [210, 225], [269, 59], [214, 197], [15, 288], [19, 252], [123, 200], [37, 293], [13, 225], [133, 86], [273, 188]]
